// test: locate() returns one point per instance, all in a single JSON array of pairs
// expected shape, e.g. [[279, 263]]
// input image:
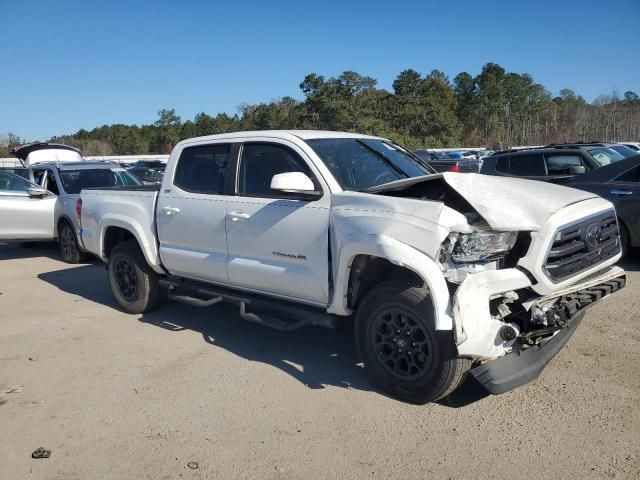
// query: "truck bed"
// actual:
[[131, 207]]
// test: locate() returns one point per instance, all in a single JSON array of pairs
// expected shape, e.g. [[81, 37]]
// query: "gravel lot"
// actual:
[[120, 396]]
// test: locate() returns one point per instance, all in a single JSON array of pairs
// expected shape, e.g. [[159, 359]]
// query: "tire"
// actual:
[[133, 283], [68, 243], [429, 372]]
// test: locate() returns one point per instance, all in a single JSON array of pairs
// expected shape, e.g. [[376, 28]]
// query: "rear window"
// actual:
[[527, 165], [75, 180], [203, 169]]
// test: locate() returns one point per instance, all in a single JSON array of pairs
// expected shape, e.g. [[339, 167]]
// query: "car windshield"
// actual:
[[361, 163], [605, 155], [75, 180], [625, 151]]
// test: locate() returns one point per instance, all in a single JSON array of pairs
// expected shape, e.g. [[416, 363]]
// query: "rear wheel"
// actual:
[[68, 242], [402, 351], [134, 284]]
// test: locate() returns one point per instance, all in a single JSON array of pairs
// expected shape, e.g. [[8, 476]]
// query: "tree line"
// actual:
[[495, 107]]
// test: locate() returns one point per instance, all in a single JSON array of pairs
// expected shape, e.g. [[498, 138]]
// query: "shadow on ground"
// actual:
[[16, 251], [315, 356]]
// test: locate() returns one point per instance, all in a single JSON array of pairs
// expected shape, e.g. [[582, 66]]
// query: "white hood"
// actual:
[[505, 203]]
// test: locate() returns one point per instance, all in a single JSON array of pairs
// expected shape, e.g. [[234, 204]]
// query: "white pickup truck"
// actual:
[[444, 273]]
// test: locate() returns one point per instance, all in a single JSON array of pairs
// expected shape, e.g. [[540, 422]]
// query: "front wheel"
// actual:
[[402, 351], [133, 283]]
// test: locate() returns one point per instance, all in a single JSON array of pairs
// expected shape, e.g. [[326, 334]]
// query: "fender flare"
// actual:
[[150, 251], [399, 254]]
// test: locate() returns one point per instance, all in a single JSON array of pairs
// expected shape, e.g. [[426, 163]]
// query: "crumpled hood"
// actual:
[[505, 203]]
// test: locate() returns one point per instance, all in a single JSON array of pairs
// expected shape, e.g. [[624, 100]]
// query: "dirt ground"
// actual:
[[198, 393]]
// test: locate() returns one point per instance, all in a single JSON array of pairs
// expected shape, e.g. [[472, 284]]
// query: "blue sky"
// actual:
[[68, 65]]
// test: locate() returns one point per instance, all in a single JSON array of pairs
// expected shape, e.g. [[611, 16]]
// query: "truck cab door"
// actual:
[[278, 243], [191, 210], [26, 210]]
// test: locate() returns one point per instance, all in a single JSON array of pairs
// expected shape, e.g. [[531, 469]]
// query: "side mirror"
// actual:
[[577, 169], [37, 192], [294, 184]]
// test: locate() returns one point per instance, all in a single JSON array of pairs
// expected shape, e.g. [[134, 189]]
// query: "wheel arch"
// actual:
[[115, 231], [386, 258]]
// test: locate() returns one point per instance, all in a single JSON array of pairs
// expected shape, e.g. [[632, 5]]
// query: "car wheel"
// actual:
[[134, 284], [68, 242], [402, 351]]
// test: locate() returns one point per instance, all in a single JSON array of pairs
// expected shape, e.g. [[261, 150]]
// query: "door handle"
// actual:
[[621, 192], [235, 216], [171, 210]]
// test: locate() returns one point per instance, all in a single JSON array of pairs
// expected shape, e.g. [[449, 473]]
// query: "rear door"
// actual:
[[191, 213], [624, 192], [23, 217], [278, 244]]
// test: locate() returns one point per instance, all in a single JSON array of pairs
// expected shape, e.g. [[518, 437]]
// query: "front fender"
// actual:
[[399, 254], [149, 248]]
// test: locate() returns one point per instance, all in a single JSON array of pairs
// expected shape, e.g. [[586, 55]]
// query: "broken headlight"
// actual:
[[480, 246]]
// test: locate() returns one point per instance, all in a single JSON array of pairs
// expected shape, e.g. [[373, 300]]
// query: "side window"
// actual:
[[13, 184], [561, 164], [261, 161], [632, 175], [203, 169], [527, 165], [502, 164]]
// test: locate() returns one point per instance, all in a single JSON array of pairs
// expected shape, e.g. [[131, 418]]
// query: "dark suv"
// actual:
[[554, 162]]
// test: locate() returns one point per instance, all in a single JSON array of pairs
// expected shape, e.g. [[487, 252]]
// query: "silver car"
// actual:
[[44, 208]]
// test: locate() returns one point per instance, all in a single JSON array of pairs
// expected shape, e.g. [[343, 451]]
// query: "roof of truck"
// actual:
[[302, 134]]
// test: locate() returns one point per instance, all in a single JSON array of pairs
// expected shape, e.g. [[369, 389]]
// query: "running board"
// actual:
[[274, 313]]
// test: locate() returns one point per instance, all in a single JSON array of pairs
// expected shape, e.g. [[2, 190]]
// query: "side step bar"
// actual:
[[274, 313]]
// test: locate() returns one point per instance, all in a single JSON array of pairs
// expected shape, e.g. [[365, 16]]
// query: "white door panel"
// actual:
[[25, 218], [279, 246], [193, 239]]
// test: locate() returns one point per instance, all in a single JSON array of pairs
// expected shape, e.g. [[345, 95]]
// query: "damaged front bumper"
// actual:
[[509, 361]]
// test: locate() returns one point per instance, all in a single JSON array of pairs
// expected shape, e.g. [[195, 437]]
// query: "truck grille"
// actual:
[[582, 245]]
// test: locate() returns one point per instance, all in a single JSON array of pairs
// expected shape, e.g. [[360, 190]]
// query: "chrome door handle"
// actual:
[[171, 210], [235, 216], [621, 192]]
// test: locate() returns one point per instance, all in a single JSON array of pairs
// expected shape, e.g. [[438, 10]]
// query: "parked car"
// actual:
[[450, 162], [619, 183], [44, 208], [442, 272], [554, 162], [148, 171], [147, 175]]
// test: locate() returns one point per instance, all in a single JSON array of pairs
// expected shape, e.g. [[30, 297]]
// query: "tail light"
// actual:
[[454, 168], [78, 208]]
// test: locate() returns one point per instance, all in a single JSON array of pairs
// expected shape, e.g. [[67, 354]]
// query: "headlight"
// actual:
[[480, 246]]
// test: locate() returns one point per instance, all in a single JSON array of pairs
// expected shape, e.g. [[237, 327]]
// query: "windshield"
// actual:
[[605, 155], [361, 163], [625, 151], [76, 180]]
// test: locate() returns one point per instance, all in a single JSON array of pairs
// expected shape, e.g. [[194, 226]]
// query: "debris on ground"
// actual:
[[12, 389], [41, 453], [192, 465]]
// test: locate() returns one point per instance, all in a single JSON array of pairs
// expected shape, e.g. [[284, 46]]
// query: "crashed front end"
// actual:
[[519, 296]]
